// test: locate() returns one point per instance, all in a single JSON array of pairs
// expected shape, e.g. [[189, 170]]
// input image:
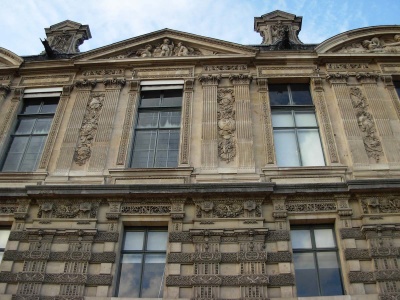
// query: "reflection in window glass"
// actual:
[[27, 142], [142, 267], [156, 141], [316, 261], [296, 134], [4, 234]]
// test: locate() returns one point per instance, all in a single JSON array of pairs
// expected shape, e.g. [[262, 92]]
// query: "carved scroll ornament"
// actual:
[[226, 125], [372, 144], [88, 129], [374, 45]]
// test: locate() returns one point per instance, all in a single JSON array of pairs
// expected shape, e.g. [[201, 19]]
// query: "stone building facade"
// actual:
[[177, 166]]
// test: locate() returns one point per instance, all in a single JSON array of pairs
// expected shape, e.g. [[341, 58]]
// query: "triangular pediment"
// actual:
[[65, 25], [164, 44], [9, 59], [278, 15], [368, 40]]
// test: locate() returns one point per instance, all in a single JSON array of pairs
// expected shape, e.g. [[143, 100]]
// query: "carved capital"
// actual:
[[67, 89], [209, 79], [114, 209], [114, 83], [387, 80], [18, 94], [85, 84], [240, 79], [4, 89], [189, 85], [262, 85], [280, 211], [134, 85], [317, 82], [366, 77], [22, 210], [337, 78]]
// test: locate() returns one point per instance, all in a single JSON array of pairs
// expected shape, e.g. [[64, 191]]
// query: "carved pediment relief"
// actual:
[[370, 40], [166, 43], [9, 59]]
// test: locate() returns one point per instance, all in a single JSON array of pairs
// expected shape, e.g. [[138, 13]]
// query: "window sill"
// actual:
[[151, 176], [21, 179], [296, 175]]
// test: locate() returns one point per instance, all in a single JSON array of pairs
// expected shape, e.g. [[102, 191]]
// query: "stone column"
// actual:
[[129, 122], [268, 143], [241, 87], [348, 114], [209, 135], [51, 138], [4, 90], [102, 138], [324, 120], [184, 158], [71, 134], [390, 142], [388, 82]]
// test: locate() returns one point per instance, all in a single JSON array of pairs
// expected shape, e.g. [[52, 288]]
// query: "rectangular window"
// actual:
[[4, 234], [397, 87], [141, 273], [30, 134], [156, 140], [316, 263], [296, 134]]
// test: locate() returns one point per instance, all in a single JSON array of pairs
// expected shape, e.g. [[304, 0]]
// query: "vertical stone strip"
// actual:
[[209, 134], [106, 120], [51, 138], [4, 90], [354, 138], [64, 161], [241, 86], [130, 120], [186, 123], [322, 111], [388, 81], [267, 121], [381, 116], [5, 124]]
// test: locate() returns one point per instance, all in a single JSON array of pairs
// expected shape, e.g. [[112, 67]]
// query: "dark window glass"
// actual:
[[316, 261], [143, 263], [156, 141], [27, 141], [296, 134], [4, 234], [397, 86]]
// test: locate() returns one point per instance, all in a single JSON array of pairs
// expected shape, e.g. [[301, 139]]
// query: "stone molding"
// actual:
[[85, 84], [114, 83], [209, 79]]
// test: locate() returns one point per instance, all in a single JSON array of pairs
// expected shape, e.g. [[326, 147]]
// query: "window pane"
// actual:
[[25, 126], [157, 240], [278, 94], [134, 240], [147, 120], [306, 274], [153, 276], [49, 105], [32, 153], [31, 106], [286, 148], [42, 126], [305, 119], [144, 147], [4, 234], [15, 153], [324, 238], [170, 119], [329, 275], [310, 147], [168, 141], [150, 99], [129, 281], [301, 94], [172, 98], [282, 119], [301, 239]]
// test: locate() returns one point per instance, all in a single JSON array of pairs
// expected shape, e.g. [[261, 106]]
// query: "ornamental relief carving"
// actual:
[[226, 124], [376, 205], [366, 124], [310, 206], [68, 209], [374, 45], [88, 129], [165, 48], [138, 209], [231, 208]]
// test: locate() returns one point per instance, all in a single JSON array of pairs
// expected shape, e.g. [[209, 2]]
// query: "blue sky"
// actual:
[[23, 21]]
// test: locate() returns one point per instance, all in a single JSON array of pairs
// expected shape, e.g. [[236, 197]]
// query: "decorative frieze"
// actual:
[[139, 209], [352, 233], [229, 208], [377, 44], [61, 278], [211, 68], [278, 235], [218, 257], [357, 254], [310, 206], [361, 277], [104, 257], [68, 209], [217, 280], [384, 205], [103, 72], [347, 66]]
